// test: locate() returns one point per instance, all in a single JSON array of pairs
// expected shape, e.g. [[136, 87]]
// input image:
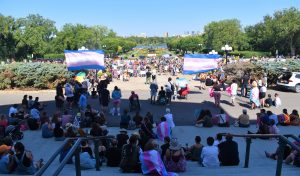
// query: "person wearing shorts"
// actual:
[[116, 99], [262, 94], [234, 88]]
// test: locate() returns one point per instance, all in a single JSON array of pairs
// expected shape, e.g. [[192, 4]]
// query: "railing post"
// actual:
[[281, 146], [96, 144], [77, 162], [248, 143]]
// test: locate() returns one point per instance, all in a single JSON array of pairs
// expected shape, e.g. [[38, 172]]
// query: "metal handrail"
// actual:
[[71, 153], [52, 158], [282, 141], [68, 157]]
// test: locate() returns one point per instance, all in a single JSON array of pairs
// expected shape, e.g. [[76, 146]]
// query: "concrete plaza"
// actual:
[[183, 111]]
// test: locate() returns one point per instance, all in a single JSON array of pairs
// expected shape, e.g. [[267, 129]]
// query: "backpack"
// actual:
[[172, 87]]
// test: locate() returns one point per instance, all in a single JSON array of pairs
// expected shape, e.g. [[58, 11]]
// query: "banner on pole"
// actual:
[[199, 63], [84, 59]]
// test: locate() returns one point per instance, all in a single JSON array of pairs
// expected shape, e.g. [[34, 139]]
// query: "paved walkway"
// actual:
[[182, 109]]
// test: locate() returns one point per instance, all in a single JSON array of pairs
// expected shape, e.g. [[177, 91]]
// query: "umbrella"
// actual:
[[80, 76], [182, 82]]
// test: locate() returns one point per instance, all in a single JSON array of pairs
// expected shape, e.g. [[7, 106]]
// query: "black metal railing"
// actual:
[[74, 151], [282, 142]]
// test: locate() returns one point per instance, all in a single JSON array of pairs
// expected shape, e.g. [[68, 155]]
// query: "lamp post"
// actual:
[[227, 49], [213, 52]]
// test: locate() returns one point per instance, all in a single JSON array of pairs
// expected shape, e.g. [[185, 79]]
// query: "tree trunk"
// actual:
[[292, 47]]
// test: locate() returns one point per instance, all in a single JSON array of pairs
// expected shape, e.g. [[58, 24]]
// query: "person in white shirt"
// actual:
[[234, 88], [13, 110], [169, 118], [277, 100], [209, 154], [262, 94]]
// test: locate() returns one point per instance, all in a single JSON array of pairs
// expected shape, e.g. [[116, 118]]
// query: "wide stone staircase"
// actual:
[[258, 163]]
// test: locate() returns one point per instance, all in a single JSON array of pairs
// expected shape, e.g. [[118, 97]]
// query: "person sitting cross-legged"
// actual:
[[243, 120], [209, 154], [130, 156], [113, 154], [151, 162], [194, 152], [174, 158], [229, 152]]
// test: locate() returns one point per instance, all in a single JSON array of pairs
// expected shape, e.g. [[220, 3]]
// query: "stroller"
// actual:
[[14, 132]]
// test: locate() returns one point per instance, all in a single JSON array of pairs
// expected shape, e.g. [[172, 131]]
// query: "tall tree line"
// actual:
[[37, 36]]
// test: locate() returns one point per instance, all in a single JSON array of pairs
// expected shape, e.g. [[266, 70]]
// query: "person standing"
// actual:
[[169, 89], [202, 81], [69, 94], [217, 93], [104, 99], [148, 77], [245, 82], [116, 96], [153, 91], [254, 96], [262, 94], [234, 88]]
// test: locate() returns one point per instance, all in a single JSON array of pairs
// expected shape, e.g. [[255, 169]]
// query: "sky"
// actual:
[[152, 17]]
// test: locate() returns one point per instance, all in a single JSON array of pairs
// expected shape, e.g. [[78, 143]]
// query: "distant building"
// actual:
[[166, 34], [144, 35]]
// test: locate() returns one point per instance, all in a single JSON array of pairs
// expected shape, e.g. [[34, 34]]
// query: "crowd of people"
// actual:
[[139, 152]]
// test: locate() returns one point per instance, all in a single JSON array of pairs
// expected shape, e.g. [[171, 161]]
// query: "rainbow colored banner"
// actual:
[[84, 59]]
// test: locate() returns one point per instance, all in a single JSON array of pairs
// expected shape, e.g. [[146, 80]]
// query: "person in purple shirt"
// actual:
[[272, 117]]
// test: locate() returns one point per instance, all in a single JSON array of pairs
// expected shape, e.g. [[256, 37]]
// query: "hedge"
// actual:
[[249, 54], [256, 70], [32, 75]]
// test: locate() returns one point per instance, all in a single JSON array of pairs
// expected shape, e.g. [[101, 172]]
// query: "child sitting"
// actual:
[[269, 101], [277, 100]]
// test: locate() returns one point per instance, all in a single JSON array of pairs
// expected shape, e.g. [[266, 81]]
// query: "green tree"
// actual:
[[7, 40], [33, 34], [217, 34]]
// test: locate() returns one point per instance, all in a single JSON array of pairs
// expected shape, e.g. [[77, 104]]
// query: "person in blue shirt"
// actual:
[[116, 97], [4, 159]]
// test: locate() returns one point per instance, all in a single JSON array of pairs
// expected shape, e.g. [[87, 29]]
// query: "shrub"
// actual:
[[34, 75], [256, 70], [249, 54]]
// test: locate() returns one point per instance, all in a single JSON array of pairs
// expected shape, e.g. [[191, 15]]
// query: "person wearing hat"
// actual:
[[174, 158], [4, 159], [243, 120]]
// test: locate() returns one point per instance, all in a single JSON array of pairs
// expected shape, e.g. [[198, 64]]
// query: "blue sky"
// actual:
[[153, 17]]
